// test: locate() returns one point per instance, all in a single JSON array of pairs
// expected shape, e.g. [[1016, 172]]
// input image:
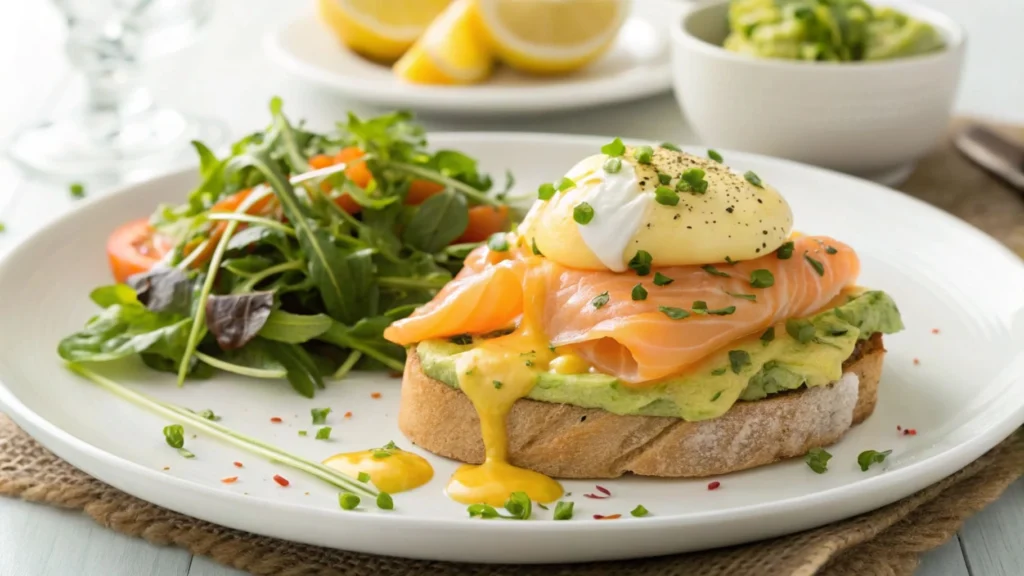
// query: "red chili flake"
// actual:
[[603, 490], [229, 479], [348, 414], [714, 485], [609, 517], [276, 420], [935, 330], [281, 480], [375, 395], [237, 464], [916, 361], [898, 427], [910, 432], [594, 496]]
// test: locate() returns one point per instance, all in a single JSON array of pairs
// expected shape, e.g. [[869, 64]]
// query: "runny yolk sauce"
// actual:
[[494, 375], [391, 470]]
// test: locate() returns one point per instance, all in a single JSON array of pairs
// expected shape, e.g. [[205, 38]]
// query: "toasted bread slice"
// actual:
[[566, 441]]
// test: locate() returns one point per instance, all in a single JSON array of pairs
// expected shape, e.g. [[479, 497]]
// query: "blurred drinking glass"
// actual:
[[117, 126]]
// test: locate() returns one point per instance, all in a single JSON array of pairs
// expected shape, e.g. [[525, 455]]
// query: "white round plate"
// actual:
[[962, 389], [636, 66]]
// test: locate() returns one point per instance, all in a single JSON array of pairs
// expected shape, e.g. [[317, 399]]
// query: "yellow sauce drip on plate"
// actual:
[[494, 375], [397, 471]]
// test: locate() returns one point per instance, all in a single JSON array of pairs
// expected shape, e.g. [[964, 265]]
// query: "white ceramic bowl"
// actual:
[[873, 119]]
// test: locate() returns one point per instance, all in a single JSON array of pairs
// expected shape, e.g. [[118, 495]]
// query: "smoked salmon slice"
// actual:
[[636, 340]]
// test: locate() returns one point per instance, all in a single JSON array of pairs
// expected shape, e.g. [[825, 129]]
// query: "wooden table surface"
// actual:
[[234, 86]]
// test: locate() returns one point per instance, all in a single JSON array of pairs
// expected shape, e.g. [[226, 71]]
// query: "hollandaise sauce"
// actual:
[[494, 375], [391, 469]]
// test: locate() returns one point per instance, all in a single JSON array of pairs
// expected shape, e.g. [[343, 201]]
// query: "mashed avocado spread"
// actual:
[[808, 352], [832, 30]]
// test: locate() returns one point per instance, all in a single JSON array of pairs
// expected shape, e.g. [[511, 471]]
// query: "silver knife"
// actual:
[[993, 152]]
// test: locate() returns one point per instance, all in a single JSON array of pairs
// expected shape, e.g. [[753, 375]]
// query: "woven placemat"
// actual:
[[887, 541]]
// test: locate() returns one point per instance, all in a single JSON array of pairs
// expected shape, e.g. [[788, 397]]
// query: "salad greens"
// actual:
[[294, 253]]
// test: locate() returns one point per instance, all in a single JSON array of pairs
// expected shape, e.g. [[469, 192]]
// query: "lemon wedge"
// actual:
[[551, 36], [380, 29], [451, 51]]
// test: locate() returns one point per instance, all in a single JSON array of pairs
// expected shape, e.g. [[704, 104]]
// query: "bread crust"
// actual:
[[566, 441]]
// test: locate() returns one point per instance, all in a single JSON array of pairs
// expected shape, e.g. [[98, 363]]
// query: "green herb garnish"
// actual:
[[643, 154], [666, 196], [639, 292], [753, 179], [664, 179], [533, 246], [77, 190], [303, 433], [385, 502], [768, 336], [868, 457], [519, 506], [481, 511], [662, 280], [785, 252], [641, 262], [670, 146], [498, 242], [801, 330], [695, 178], [761, 278], [818, 266], [639, 511], [612, 165], [831, 250], [583, 213], [174, 435], [719, 393], [348, 501], [600, 300], [319, 415], [714, 155], [714, 271], [566, 183], [673, 313], [751, 297], [363, 477], [497, 384], [185, 453], [817, 459], [546, 191], [209, 415], [738, 360], [563, 510], [324, 433], [717, 372], [614, 148]]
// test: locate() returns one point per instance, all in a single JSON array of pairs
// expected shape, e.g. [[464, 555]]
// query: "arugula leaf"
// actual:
[[163, 290], [235, 319], [367, 337], [439, 221], [294, 328], [302, 372]]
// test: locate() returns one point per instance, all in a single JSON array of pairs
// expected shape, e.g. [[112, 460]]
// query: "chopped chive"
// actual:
[[497, 384], [643, 154], [714, 271], [319, 415], [600, 300], [666, 196], [324, 433], [546, 191], [751, 297], [614, 148], [673, 313], [768, 335], [785, 252], [209, 415], [563, 510], [566, 183], [498, 242], [729, 260], [385, 502], [818, 266], [801, 330], [639, 292], [831, 250], [663, 178], [722, 311], [639, 511], [533, 246], [700, 307], [695, 178], [753, 179], [719, 393], [761, 278], [613, 165], [662, 280], [303, 433], [542, 507], [348, 501], [641, 262], [363, 477], [683, 185], [670, 146], [77, 190], [738, 360], [583, 213], [185, 453], [714, 155]]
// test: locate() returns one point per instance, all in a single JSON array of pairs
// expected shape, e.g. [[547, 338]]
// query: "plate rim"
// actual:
[[880, 489], [469, 100]]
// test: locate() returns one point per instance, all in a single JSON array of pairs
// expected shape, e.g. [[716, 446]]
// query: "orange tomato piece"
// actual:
[[420, 190], [484, 221], [134, 248]]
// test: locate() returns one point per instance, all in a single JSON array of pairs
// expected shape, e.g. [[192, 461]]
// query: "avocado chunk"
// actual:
[[809, 351]]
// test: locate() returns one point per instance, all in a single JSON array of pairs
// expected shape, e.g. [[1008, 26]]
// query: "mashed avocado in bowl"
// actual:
[[826, 30]]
